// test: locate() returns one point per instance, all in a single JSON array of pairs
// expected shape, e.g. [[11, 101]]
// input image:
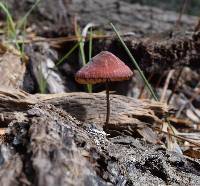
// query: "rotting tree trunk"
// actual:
[[46, 146], [55, 156], [89, 107]]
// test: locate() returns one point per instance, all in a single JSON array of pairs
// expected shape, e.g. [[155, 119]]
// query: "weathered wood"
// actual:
[[12, 69], [43, 67], [124, 110], [44, 152], [10, 167], [14, 100], [50, 147], [55, 156], [90, 107], [154, 53]]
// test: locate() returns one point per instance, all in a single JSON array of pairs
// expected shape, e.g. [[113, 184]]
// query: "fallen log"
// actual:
[[89, 107], [48, 146]]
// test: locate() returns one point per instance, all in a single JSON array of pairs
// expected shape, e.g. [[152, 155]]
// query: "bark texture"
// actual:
[[89, 107], [45, 145]]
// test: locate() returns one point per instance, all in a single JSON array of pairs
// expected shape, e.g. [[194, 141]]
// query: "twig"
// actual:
[[188, 102], [69, 38], [142, 88], [179, 137], [85, 31], [166, 85], [175, 85]]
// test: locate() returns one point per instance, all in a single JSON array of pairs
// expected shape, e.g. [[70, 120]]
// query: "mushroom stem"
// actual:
[[108, 102]]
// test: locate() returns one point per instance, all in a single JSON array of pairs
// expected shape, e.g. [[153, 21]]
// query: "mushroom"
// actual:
[[104, 68]]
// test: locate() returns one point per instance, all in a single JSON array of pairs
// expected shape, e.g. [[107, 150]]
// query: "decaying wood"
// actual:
[[13, 100], [43, 67], [54, 154], [11, 172], [12, 69], [48, 151], [11, 166], [89, 107], [162, 52], [124, 110], [46, 146]]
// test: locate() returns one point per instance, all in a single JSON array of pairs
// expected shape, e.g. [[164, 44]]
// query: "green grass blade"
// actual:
[[81, 48], [23, 20], [42, 82], [10, 25], [135, 63], [9, 17]]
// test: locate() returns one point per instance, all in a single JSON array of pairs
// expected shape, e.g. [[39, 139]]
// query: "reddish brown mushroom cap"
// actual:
[[103, 67]]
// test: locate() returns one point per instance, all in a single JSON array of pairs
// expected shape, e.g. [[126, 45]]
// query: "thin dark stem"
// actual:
[[108, 102], [175, 85]]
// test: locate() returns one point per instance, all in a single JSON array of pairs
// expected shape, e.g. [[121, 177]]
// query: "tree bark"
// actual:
[[89, 107], [45, 146]]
